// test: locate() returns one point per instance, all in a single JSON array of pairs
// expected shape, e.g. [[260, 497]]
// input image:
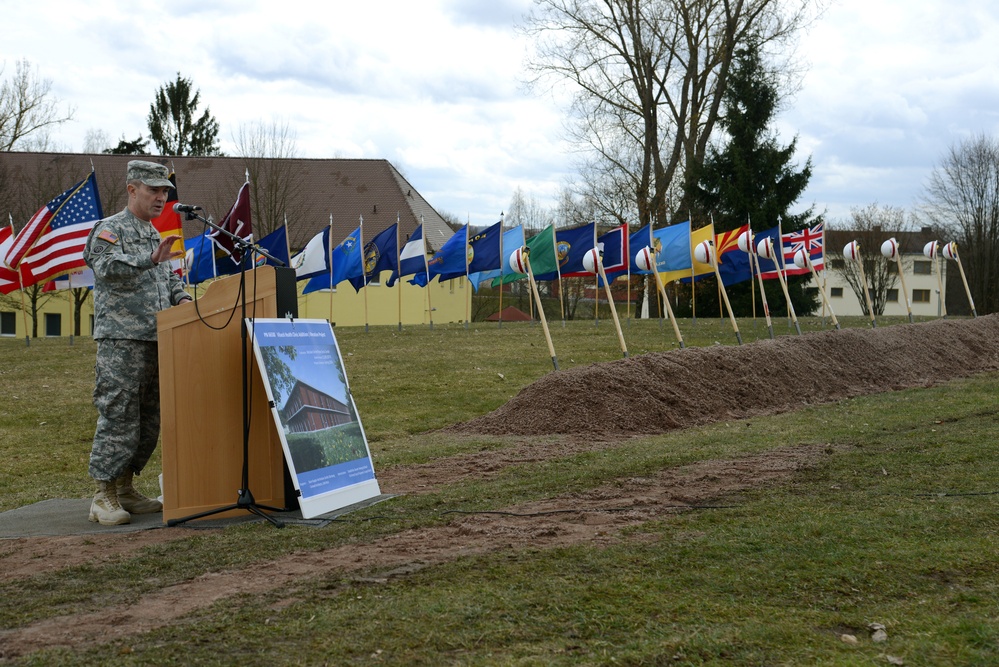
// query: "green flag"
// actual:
[[542, 256]]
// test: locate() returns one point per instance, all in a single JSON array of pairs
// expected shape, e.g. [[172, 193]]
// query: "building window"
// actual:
[[838, 264], [836, 292], [8, 324], [53, 324], [920, 296], [922, 267], [892, 296]]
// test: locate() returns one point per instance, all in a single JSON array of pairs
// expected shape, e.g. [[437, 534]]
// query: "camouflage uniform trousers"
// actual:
[[127, 398]]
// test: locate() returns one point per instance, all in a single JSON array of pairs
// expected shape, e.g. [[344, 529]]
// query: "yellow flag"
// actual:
[[706, 233]]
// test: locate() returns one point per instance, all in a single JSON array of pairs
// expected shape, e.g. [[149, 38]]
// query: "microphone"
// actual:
[[186, 208]]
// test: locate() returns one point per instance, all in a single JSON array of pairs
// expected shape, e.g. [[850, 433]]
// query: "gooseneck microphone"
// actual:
[[186, 208]]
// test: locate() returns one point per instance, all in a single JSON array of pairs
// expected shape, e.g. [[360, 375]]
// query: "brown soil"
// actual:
[[585, 408]]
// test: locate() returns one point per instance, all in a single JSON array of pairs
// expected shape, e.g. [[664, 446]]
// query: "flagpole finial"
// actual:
[[247, 174]]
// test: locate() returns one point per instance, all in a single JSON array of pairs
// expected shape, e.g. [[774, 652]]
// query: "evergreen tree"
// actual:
[[125, 147], [172, 124], [751, 179]]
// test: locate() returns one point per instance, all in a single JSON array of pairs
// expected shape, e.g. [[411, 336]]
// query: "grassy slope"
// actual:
[[775, 579]]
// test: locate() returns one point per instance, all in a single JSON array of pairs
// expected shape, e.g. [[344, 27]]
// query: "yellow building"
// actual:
[[304, 195], [375, 305]]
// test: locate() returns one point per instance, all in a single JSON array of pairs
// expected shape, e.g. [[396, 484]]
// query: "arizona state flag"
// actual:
[[169, 221]]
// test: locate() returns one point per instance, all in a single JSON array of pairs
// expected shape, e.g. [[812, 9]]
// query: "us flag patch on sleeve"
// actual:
[[108, 235]]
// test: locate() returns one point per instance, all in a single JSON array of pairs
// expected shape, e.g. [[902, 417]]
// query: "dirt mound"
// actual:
[[658, 392]]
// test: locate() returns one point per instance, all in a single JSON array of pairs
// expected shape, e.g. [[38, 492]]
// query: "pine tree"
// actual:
[[751, 179], [172, 124]]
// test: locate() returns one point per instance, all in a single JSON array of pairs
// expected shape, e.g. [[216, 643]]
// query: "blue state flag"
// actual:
[[448, 261], [276, 245], [735, 267], [768, 267], [570, 248], [641, 239], [412, 259], [314, 259], [674, 252], [200, 259], [380, 254], [483, 252], [345, 263], [512, 239]]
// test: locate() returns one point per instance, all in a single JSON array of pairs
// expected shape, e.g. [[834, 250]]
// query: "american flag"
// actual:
[[52, 242], [9, 280]]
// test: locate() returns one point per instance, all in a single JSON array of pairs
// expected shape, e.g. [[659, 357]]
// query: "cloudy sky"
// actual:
[[435, 87]]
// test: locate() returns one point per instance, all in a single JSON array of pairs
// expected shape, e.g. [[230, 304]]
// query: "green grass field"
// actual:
[[897, 525]]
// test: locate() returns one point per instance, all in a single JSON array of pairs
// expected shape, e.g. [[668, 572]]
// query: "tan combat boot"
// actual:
[[132, 500], [106, 509]]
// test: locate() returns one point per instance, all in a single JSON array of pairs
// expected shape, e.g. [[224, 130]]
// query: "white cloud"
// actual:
[[435, 87]]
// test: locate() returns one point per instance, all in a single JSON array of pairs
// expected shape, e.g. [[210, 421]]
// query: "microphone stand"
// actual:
[[244, 497]]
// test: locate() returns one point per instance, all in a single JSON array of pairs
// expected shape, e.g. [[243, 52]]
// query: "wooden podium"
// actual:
[[201, 398]]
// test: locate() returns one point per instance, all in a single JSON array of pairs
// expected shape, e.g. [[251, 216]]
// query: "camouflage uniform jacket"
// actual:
[[128, 288]]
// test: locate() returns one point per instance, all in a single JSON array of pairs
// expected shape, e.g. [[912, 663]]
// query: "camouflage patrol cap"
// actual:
[[152, 174]]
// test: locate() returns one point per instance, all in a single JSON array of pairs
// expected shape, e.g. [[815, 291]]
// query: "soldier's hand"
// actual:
[[163, 252]]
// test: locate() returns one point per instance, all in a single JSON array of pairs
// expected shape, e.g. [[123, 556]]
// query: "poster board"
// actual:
[[315, 415]]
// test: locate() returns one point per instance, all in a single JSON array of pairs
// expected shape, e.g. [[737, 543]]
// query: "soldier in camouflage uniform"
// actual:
[[133, 280]]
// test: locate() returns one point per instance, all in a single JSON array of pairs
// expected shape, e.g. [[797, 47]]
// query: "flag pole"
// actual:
[[628, 286], [610, 301], [500, 312], [754, 265], [713, 260], [901, 277], [822, 292], [330, 262], [669, 308], [752, 283], [782, 272], [558, 271], [398, 261], [782, 279], [24, 308], [596, 285], [426, 268], [364, 271], [541, 311], [964, 278], [468, 291], [939, 271], [863, 281]]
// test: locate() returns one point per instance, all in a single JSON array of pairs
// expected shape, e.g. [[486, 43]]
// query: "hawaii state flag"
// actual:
[[52, 242], [792, 242]]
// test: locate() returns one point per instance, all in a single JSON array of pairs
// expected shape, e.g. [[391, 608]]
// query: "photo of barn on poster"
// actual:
[[322, 436]]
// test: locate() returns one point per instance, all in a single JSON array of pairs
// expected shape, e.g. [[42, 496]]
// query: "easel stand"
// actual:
[[244, 497]]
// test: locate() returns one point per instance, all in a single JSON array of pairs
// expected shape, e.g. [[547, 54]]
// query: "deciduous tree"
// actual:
[[647, 80], [962, 197], [27, 107]]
